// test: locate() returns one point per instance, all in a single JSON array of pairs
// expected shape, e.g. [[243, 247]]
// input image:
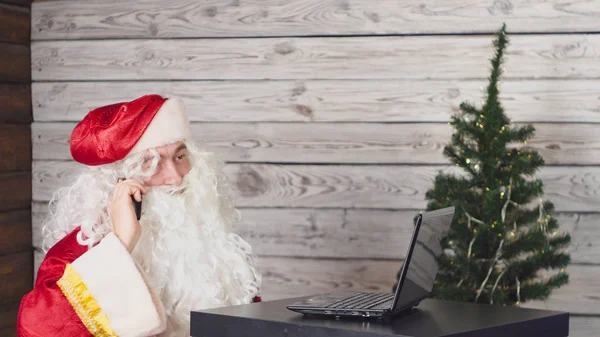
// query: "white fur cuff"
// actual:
[[119, 288], [169, 125]]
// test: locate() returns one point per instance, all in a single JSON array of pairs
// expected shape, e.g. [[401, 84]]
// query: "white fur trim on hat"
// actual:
[[169, 125]]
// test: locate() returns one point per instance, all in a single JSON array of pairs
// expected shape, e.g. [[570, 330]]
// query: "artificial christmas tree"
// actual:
[[504, 241]]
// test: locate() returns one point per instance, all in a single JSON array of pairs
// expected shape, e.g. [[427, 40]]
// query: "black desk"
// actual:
[[431, 318]]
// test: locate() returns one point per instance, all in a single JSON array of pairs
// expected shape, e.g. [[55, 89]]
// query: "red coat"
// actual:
[[45, 311], [81, 293]]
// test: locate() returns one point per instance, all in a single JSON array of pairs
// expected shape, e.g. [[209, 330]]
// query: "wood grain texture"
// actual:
[[185, 18], [354, 234], [15, 147], [26, 3], [335, 219], [365, 186], [16, 187], [15, 231], [413, 57], [383, 186], [15, 100], [584, 326], [8, 319], [286, 278], [15, 64], [16, 276], [580, 296], [328, 100], [15, 23], [585, 237], [16, 269], [348, 143]]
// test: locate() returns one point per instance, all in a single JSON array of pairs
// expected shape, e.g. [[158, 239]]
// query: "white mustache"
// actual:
[[172, 190]]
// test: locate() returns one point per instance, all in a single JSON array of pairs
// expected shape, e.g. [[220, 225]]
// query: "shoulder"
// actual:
[[68, 246]]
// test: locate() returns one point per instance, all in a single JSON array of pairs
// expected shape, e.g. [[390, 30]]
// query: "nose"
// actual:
[[171, 174]]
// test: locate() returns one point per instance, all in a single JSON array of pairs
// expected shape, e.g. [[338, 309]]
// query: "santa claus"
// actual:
[[106, 273]]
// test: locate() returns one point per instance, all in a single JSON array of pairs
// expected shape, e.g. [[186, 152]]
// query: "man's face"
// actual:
[[173, 165]]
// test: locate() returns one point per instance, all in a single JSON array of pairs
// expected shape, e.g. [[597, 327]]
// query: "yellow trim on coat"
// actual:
[[88, 310]]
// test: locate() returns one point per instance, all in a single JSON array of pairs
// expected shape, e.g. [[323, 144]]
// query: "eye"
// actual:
[[181, 156]]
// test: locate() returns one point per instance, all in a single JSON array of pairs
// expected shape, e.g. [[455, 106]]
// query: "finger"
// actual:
[[133, 190], [119, 187], [139, 181], [140, 184], [137, 185], [126, 191], [137, 195]]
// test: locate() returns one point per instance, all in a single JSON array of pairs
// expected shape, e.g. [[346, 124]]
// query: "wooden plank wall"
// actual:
[[331, 115], [16, 250]]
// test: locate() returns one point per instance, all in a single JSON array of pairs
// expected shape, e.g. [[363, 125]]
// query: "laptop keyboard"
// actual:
[[361, 301]]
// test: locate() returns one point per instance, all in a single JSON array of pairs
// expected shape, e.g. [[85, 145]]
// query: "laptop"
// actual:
[[415, 282]]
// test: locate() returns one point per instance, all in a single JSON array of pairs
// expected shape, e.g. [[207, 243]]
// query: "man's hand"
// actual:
[[122, 213]]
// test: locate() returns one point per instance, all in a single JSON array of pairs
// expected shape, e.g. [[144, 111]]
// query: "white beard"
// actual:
[[192, 262], [188, 251]]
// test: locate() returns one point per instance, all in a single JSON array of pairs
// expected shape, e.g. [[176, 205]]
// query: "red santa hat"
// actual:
[[113, 132]]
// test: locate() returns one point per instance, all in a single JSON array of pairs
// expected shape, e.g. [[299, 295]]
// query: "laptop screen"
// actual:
[[422, 267]]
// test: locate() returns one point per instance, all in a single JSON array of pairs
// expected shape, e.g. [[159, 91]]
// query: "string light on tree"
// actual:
[[496, 234]]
